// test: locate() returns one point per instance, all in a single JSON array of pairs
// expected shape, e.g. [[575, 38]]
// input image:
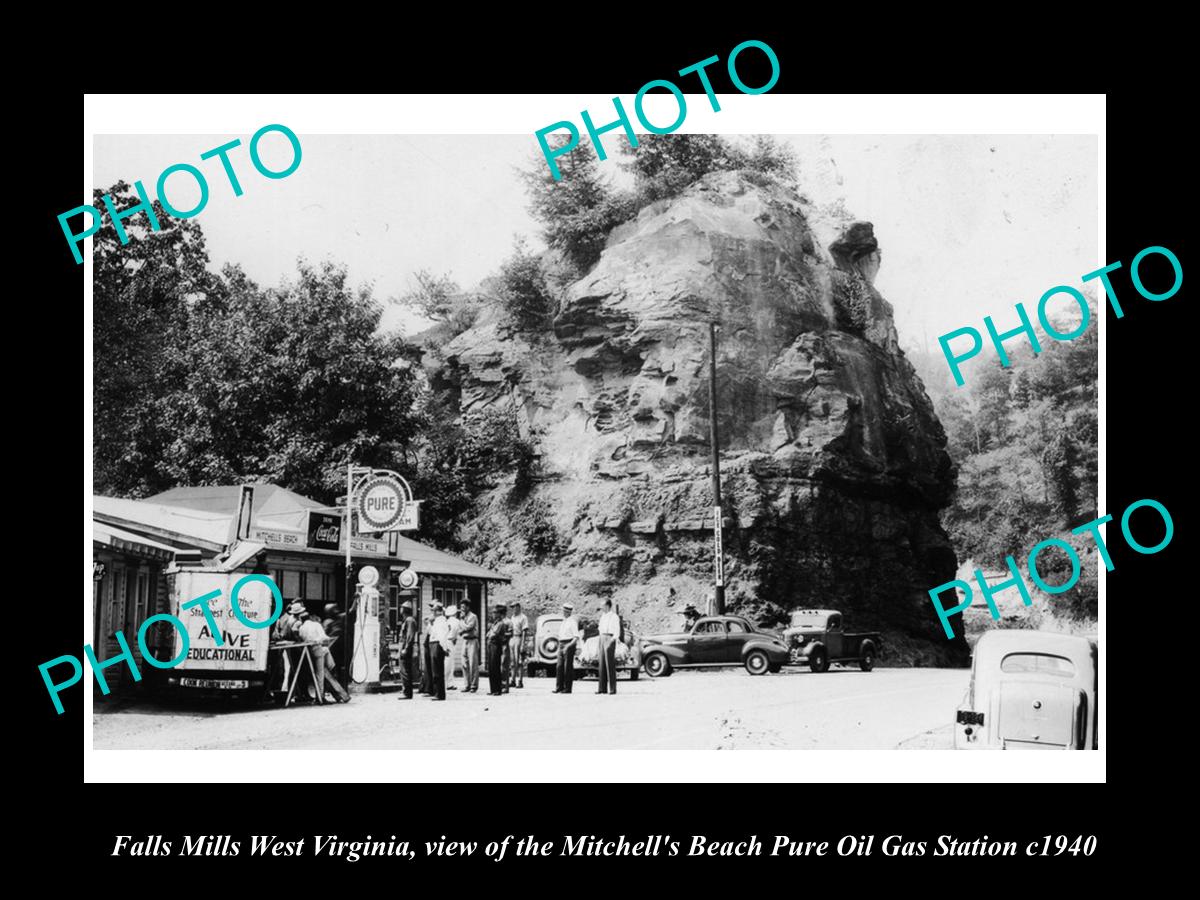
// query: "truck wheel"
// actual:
[[657, 665], [819, 661], [633, 674], [757, 663], [867, 661]]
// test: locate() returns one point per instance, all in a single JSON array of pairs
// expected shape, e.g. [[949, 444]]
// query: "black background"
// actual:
[[68, 827]]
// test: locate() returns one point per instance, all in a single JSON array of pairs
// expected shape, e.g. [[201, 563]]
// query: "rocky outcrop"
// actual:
[[833, 462]]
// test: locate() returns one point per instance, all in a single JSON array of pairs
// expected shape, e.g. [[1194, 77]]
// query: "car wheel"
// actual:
[[757, 662], [633, 674], [819, 661], [867, 661], [657, 665]]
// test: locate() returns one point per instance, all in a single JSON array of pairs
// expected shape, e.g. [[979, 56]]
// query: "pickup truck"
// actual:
[[815, 638]]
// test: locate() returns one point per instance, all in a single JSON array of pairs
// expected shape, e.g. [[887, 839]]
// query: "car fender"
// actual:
[[675, 654], [774, 653], [813, 646], [868, 644]]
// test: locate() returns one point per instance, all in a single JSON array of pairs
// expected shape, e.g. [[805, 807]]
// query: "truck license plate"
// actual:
[[214, 683]]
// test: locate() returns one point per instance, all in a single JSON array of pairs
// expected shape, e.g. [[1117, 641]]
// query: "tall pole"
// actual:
[[347, 631], [718, 550]]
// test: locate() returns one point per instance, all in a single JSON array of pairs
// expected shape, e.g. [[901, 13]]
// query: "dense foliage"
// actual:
[[204, 378], [578, 211], [1025, 441]]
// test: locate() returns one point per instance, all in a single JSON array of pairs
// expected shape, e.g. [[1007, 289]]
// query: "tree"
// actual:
[[577, 212], [457, 459], [145, 294], [440, 299], [204, 378], [664, 165], [289, 385], [1059, 461], [522, 288]]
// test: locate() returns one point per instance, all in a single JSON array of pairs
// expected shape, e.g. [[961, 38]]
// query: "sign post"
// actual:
[[718, 550], [383, 502]]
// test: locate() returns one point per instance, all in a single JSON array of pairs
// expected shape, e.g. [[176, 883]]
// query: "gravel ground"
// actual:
[[725, 710]]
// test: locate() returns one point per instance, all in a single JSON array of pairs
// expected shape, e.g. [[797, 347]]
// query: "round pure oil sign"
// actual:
[[381, 503]]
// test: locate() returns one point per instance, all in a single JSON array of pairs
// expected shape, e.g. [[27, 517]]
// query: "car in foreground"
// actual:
[[544, 658], [1030, 690], [815, 638], [715, 641]]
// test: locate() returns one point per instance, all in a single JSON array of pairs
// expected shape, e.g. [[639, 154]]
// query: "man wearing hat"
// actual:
[[453, 626], [313, 634], [408, 647], [439, 644], [497, 640], [568, 637], [285, 630], [470, 650]]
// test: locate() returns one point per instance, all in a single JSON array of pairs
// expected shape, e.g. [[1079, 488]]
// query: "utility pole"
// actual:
[[718, 550]]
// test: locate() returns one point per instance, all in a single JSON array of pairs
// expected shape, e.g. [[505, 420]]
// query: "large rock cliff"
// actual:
[[833, 463]]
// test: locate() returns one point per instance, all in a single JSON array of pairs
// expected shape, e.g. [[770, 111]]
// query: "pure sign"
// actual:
[[383, 506]]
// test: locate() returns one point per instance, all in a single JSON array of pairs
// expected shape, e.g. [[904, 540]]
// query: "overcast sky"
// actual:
[[968, 225]]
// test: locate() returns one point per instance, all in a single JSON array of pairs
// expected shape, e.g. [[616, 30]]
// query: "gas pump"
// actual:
[[364, 667]]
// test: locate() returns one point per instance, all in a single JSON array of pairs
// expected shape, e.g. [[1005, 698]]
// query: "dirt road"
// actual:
[[729, 709]]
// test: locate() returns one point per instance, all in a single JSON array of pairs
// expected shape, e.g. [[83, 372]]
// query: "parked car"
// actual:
[[715, 641], [544, 657], [815, 638], [1030, 690]]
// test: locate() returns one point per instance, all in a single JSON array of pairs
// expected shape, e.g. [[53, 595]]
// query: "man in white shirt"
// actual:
[[454, 626], [610, 633], [311, 632], [439, 644], [568, 638]]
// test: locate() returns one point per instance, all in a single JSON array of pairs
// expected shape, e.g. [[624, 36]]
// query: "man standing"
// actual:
[[470, 651], [497, 641], [439, 643], [568, 637], [519, 623], [312, 633], [453, 627], [426, 667], [610, 633], [408, 648]]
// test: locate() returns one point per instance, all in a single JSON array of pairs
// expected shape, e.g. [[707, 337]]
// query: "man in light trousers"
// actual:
[[610, 633], [470, 651]]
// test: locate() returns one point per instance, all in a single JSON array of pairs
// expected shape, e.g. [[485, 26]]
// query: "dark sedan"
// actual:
[[714, 641]]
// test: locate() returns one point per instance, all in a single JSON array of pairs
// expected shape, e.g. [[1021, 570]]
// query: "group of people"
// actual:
[[569, 636], [432, 650], [298, 625]]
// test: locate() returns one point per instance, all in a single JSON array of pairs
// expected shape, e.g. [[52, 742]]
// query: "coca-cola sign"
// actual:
[[324, 531]]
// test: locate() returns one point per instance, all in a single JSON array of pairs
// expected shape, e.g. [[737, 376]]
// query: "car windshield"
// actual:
[[1040, 663], [807, 620]]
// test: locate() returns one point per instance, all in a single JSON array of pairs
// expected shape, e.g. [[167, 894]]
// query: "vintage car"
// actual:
[[1030, 690], [714, 641], [544, 657], [815, 638]]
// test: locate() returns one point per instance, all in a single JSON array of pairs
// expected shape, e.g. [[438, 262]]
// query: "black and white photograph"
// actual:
[[730, 442]]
